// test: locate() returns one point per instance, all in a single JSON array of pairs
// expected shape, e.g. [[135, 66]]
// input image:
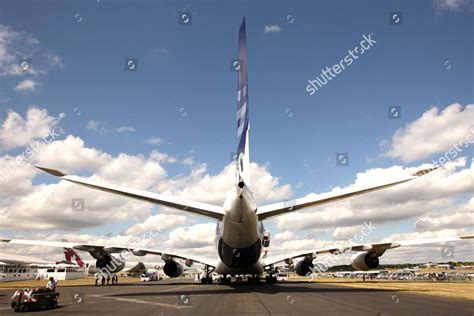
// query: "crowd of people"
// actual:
[[106, 278]]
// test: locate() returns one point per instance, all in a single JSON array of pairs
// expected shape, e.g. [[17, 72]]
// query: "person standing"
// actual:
[[96, 278], [108, 279], [103, 279], [52, 284]]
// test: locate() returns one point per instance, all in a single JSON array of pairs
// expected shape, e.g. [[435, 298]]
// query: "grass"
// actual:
[[62, 283]]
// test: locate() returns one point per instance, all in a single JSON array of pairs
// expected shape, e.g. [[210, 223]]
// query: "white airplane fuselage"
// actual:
[[239, 235]]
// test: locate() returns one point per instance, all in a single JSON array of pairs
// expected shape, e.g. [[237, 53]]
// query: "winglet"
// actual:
[[54, 172], [420, 173]]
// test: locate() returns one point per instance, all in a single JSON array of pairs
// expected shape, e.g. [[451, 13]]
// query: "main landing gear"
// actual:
[[270, 278], [207, 279], [224, 280], [253, 279]]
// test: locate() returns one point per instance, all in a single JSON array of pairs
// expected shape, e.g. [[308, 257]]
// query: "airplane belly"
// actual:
[[222, 268]]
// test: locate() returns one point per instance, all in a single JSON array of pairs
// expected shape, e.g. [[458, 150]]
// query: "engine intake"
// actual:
[[365, 261], [110, 264], [304, 267], [173, 269]]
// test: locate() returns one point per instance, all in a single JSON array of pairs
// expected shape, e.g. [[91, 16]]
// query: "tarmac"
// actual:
[[184, 297]]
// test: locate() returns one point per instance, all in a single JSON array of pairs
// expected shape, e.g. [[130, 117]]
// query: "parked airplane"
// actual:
[[240, 234], [131, 268]]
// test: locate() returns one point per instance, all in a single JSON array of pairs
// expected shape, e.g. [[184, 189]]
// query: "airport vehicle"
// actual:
[[34, 298], [241, 237], [282, 277], [149, 277]]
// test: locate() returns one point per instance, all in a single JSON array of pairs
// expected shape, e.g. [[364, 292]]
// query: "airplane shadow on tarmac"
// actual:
[[244, 288]]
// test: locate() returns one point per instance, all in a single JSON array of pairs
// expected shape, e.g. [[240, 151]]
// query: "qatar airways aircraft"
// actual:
[[240, 234]]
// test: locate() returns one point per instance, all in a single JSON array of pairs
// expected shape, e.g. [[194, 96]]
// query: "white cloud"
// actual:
[[156, 224], [408, 200], [155, 141], [125, 129], [70, 155], [104, 128], [344, 233], [196, 236], [27, 85], [200, 186], [17, 131], [272, 29], [54, 59], [458, 216], [188, 161], [433, 133], [452, 5], [284, 236], [16, 46]]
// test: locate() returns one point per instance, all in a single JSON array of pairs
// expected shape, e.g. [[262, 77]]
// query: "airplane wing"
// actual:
[[18, 259], [204, 209], [281, 208], [95, 249], [378, 248]]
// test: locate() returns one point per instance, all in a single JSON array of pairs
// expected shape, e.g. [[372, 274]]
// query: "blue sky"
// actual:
[[425, 61]]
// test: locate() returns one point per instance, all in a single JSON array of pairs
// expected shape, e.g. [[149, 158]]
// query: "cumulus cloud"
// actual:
[[17, 131], [199, 185], [458, 216], [196, 236], [272, 29], [433, 133], [155, 224], [284, 236], [409, 200], [70, 155], [347, 232], [27, 85]]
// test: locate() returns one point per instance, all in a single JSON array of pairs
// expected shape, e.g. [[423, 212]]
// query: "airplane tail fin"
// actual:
[[71, 254], [243, 122]]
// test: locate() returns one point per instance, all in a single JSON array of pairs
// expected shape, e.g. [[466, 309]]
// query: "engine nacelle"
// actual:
[[304, 267], [110, 264], [173, 269], [365, 261]]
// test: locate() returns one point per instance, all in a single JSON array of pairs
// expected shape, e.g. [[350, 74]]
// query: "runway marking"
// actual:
[[132, 300]]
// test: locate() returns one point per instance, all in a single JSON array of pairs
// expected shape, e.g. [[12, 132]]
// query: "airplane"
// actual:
[[241, 238]]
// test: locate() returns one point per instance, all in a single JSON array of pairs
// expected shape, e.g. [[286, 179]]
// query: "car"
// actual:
[[282, 277], [149, 277], [34, 298]]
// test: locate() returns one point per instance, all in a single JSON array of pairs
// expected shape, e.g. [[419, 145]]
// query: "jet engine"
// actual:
[[305, 266], [110, 264], [365, 261], [173, 269]]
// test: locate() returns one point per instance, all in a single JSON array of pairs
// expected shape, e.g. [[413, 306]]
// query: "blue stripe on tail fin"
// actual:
[[243, 124]]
